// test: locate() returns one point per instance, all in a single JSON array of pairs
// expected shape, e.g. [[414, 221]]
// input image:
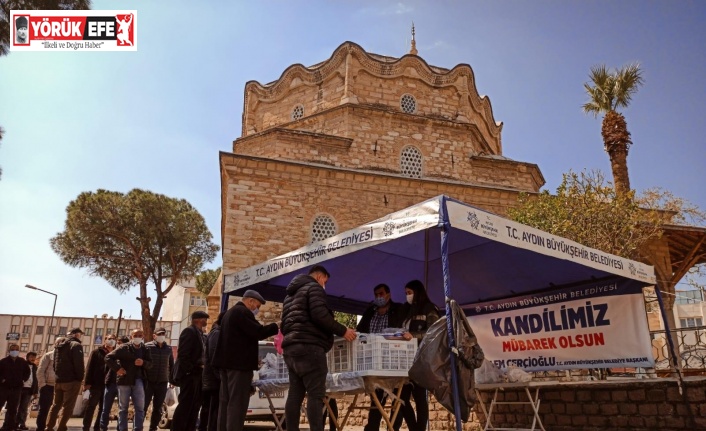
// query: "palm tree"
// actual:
[[610, 91]]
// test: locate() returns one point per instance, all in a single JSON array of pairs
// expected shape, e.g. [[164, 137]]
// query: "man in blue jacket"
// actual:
[[240, 332]]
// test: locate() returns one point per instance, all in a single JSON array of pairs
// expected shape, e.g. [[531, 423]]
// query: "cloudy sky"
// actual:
[[157, 118]]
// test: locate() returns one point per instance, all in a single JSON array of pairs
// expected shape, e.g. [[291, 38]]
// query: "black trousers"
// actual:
[[208, 420], [187, 412], [234, 399], [11, 396], [375, 417], [46, 397], [95, 399], [155, 393], [418, 421], [307, 377]]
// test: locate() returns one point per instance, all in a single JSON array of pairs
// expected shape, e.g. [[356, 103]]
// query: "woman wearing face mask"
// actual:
[[418, 313]]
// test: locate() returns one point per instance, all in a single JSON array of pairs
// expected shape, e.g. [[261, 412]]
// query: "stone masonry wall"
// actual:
[[635, 405], [283, 198], [377, 142]]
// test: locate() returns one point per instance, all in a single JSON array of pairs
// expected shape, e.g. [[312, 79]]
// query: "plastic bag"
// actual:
[[515, 375], [268, 370], [278, 341], [86, 395], [171, 397], [489, 373]]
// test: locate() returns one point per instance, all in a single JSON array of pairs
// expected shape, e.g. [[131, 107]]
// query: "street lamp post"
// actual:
[[51, 324]]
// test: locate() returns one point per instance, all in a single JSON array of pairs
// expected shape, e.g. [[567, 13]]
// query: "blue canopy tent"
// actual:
[[445, 243]]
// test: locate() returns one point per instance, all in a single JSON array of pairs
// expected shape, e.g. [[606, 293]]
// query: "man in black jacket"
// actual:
[[94, 382], [240, 332], [13, 373], [158, 375], [68, 364], [188, 369], [30, 389], [129, 361], [208, 420], [308, 326]]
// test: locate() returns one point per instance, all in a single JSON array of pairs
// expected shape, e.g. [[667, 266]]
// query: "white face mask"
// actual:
[[137, 341], [14, 353], [110, 343], [255, 311], [410, 298], [161, 338]]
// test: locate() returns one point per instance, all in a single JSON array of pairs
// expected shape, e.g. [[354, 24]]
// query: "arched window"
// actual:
[[297, 112], [323, 226], [408, 104], [411, 162]]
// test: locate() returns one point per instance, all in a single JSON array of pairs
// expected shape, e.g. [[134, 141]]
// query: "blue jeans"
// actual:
[[137, 393], [111, 392]]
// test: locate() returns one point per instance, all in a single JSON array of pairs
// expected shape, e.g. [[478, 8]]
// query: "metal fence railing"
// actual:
[[690, 343]]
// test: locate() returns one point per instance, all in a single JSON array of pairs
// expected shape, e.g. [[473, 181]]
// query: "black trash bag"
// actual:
[[432, 364]]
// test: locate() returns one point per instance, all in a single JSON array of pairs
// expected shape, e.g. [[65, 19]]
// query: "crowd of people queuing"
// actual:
[[214, 372]]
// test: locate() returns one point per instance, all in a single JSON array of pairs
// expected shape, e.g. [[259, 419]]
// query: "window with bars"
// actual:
[[297, 112], [408, 104], [26, 329], [39, 330], [411, 162], [323, 226], [691, 322]]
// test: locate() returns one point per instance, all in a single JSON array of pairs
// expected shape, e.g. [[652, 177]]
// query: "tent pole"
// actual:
[[224, 296], [449, 322], [426, 258]]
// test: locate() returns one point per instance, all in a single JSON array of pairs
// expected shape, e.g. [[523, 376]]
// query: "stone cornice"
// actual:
[[536, 172], [375, 65], [381, 173], [298, 137]]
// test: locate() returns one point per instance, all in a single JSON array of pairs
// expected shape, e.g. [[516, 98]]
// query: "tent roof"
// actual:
[[489, 258]]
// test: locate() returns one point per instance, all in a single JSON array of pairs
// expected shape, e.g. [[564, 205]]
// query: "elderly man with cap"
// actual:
[[21, 30], [68, 365], [240, 332], [188, 370]]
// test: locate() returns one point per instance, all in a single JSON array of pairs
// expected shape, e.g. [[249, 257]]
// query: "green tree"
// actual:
[[589, 211], [8, 5], [345, 319], [206, 279], [135, 239], [608, 91]]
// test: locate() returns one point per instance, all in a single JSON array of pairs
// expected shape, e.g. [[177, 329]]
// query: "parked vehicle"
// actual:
[[258, 409]]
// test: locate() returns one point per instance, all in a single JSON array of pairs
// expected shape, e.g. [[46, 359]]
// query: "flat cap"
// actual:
[[76, 331], [160, 331], [255, 295], [199, 315]]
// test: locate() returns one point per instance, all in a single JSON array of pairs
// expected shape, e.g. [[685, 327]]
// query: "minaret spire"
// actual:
[[413, 50]]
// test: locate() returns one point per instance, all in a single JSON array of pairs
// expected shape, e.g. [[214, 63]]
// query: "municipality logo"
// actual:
[[632, 269], [473, 220], [388, 229]]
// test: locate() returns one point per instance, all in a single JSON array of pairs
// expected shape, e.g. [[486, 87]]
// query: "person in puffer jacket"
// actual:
[[69, 368], [158, 375], [308, 326]]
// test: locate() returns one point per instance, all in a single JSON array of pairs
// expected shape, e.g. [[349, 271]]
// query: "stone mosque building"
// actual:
[[331, 146], [328, 147]]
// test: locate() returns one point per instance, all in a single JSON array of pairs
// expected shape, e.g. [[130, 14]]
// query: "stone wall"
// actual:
[[270, 205], [635, 405]]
